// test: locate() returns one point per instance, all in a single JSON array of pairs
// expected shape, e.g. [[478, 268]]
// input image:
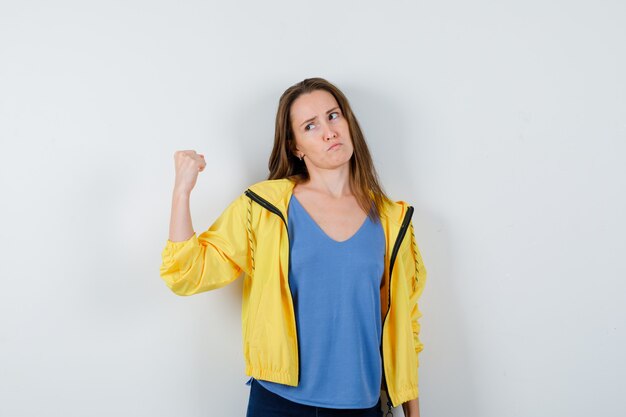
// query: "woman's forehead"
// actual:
[[312, 104]]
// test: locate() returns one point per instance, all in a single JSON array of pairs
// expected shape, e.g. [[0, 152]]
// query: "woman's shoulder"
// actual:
[[272, 183], [395, 209], [275, 191], [281, 184]]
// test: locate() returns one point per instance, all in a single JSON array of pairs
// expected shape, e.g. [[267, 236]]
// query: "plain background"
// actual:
[[502, 122]]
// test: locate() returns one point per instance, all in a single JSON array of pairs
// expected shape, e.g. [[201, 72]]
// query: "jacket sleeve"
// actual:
[[214, 258], [416, 287]]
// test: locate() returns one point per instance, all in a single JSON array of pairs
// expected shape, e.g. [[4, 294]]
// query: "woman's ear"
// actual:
[[297, 152]]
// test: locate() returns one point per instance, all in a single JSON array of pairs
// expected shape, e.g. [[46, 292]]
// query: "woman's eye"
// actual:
[[307, 126], [335, 113]]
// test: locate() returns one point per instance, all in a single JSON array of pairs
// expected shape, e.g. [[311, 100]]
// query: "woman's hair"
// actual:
[[283, 162]]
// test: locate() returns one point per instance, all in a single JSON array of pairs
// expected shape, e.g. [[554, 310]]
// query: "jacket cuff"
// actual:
[[179, 256]]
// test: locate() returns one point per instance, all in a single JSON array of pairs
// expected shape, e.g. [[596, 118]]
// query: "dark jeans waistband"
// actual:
[[264, 403]]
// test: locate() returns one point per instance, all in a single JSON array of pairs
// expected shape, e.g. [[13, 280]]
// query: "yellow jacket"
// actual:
[[251, 236]]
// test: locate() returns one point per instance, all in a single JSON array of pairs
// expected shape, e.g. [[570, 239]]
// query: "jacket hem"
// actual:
[[281, 377], [403, 396]]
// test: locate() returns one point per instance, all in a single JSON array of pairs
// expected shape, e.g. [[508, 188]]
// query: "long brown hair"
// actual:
[[283, 162]]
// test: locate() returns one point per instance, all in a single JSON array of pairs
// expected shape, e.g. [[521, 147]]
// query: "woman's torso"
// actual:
[[335, 282]]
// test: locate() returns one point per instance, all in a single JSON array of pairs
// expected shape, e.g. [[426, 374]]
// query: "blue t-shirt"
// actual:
[[336, 292]]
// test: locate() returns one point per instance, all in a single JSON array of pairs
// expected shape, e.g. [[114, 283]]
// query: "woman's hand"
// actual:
[[188, 165], [411, 408]]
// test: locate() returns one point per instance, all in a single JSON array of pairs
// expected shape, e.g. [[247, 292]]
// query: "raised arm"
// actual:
[[188, 165], [195, 263]]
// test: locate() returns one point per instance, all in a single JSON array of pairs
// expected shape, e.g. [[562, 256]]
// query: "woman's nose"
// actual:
[[329, 133]]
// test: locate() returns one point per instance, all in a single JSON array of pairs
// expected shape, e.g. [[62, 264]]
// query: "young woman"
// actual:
[[332, 272]]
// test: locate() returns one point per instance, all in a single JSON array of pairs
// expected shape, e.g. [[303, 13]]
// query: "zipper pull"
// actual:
[[389, 408]]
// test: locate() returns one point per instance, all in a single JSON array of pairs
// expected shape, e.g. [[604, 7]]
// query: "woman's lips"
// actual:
[[334, 146]]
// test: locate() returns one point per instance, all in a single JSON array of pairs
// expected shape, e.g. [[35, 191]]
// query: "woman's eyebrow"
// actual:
[[315, 117]]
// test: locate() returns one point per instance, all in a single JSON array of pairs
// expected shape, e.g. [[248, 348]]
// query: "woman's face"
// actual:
[[321, 132]]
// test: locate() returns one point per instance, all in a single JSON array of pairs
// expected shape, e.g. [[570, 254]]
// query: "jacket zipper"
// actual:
[[269, 206], [263, 202], [394, 253], [405, 224]]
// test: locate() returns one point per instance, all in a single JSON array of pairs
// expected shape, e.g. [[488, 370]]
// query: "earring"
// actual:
[[301, 157]]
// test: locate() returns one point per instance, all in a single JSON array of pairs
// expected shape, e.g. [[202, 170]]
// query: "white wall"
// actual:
[[503, 123]]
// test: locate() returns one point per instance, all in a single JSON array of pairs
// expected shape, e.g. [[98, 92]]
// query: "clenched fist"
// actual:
[[188, 165]]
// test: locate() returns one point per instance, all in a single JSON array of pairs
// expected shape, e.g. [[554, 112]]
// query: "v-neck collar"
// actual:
[[312, 220]]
